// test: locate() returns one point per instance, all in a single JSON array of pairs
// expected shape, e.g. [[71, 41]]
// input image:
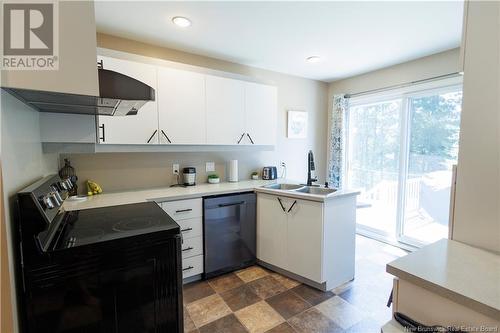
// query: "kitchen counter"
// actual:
[[178, 193], [307, 196], [163, 194], [462, 273]]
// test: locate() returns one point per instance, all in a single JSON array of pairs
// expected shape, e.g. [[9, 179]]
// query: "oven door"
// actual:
[[118, 300]]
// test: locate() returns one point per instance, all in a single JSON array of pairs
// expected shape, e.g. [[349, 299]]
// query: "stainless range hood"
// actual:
[[119, 95]]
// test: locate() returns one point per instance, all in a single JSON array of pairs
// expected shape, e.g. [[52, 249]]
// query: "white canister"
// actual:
[[233, 171]]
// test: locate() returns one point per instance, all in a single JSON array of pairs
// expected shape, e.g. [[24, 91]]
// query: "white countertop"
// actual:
[[464, 274], [307, 196], [163, 194], [178, 193]]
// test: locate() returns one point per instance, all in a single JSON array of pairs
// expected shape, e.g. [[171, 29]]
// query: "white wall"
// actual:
[[21, 156], [477, 201], [120, 171]]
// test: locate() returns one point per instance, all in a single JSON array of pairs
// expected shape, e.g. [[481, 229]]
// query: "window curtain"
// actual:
[[336, 144]]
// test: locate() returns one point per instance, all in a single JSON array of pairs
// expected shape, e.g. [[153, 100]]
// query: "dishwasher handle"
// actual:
[[231, 204]]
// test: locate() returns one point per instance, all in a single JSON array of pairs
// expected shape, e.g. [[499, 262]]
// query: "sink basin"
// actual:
[[285, 187], [316, 190]]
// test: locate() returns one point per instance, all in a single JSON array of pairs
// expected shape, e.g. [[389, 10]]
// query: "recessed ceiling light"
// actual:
[[313, 59], [181, 21]]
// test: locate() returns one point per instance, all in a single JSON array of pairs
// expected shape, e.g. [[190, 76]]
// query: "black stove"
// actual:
[[111, 269], [89, 226]]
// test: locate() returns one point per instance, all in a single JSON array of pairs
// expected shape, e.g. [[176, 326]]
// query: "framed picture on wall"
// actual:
[[297, 124]]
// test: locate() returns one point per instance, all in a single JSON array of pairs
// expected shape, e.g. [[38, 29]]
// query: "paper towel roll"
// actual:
[[233, 170]]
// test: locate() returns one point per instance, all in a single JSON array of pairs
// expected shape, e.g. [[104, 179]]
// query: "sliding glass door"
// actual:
[[373, 163], [433, 130], [400, 153]]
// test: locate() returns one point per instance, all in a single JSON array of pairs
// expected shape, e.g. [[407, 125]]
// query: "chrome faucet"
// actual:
[[311, 175]]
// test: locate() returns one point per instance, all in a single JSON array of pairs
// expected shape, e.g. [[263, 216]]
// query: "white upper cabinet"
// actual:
[[181, 106], [190, 108], [138, 129], [225, 105], [260, 114]]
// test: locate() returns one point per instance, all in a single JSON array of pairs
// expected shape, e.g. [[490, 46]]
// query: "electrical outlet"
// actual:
[[175, 169], [209, 167]]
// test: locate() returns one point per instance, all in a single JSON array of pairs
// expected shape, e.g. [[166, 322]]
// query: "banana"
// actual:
[[93, 188]]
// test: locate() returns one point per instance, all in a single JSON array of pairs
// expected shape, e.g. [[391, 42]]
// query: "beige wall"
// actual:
[[477, 201], [22, 160], [119, 171], [423, 68]]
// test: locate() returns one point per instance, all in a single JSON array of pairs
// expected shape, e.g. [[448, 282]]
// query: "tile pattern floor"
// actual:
[[257, 300]]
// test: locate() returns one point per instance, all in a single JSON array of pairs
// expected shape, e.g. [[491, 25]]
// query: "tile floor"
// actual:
[[257, 300]]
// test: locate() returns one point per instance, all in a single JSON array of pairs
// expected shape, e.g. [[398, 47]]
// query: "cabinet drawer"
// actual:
[[183, 209], [191, 227], [192, 266], [192, 247]]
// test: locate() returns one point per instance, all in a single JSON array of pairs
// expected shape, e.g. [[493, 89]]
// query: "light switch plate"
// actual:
[[209, 166], [175, 169]]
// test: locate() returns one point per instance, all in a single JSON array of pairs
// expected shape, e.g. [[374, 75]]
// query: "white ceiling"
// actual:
[[350, 37]]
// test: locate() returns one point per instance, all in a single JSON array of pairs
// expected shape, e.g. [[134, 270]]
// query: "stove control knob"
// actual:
[[55, 198], [58, 196], [46, 201]]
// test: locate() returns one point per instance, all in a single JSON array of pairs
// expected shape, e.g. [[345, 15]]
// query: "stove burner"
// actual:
[[135, 223]]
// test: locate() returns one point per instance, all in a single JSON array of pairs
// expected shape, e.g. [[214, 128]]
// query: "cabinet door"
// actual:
[[260, 114], [304, 238], [181, 106], [225, 110], [137, 129], [271, 230]]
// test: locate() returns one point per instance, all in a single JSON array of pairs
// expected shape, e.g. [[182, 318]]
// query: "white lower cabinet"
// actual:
[[311, 239], [189, 216], [305, 238], [192, 266], [271, 224]]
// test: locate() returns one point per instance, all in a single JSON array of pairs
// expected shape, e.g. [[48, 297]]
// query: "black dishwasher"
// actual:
[[229, 229]]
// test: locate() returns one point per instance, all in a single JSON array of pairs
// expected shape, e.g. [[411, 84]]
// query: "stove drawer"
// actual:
[[192, 266], [192, 247], [183, 209], [191, 227]]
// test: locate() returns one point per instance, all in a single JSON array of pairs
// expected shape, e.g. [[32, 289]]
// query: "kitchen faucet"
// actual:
[[311, 177]]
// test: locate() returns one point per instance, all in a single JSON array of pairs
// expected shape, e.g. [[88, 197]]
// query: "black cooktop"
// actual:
[[89, 226]]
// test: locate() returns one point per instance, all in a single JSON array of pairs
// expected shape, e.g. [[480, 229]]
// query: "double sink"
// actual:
[[302, 189]]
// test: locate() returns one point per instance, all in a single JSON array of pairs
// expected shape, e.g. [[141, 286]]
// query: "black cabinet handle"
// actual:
[[250, 138], [232, 204], [187, 229], [103, 138], [166, 136], [281, 204], [290, 209], [187, 268], [187, 249], [241, 138], [184, 210], [152, 136]]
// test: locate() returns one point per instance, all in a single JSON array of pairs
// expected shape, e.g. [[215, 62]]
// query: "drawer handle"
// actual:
[[188, 248], [184, 210], [290, 209], [187, 229], [187, 268]]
